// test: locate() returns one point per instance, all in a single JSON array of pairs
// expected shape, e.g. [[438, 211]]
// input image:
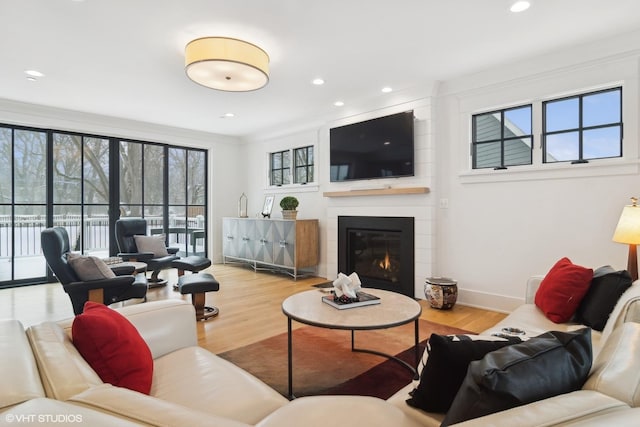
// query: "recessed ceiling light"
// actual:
[[33, 73], [318, 81], [227, 115], [520, 6], [386, 89], [386, 143], [338, 103]]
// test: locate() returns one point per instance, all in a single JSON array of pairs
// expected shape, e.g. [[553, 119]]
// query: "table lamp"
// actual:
[[628, 231]]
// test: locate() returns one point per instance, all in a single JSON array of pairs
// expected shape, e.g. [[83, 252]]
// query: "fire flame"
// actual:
[[385, 264]]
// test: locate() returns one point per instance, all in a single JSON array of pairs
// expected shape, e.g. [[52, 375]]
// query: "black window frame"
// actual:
[[112, 205], [308, 165], [273, 171], [287, 171], [502, 139], [581, 129]]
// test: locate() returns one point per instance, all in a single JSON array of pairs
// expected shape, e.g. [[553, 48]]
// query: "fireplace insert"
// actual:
[[380, 250]]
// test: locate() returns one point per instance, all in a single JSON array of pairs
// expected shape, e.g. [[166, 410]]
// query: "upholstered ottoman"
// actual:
[[192, 263], [197, 285]]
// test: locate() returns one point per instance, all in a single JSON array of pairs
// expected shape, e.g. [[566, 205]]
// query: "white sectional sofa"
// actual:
[[611, 389], [190, 386], [22, 396], [47, 375]]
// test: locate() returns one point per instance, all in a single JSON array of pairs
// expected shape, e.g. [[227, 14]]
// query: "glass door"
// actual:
[[81, 191], [23, 197], [187, 199], [84, 183]]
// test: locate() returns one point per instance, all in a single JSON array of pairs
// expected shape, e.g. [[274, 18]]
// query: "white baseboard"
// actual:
[[487, 301]]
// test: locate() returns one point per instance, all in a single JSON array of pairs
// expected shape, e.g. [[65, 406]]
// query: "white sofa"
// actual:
[[194, 387], [22, 396], [611, 390], [190, 385]]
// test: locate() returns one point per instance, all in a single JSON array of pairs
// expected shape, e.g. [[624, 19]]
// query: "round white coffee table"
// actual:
[[394, 310]]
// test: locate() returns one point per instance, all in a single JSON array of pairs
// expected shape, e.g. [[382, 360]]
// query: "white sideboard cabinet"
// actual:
[[291, 246]]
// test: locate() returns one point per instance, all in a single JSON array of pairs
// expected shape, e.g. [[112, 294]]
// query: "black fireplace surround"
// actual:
[[380, 250]]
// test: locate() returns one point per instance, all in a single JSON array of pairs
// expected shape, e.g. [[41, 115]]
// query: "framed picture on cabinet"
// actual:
[[268, 206]]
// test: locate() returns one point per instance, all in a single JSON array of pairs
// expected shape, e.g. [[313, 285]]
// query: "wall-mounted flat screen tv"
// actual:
[[376, 148]]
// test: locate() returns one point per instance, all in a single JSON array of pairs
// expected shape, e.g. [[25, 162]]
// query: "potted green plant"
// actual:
[[289, 205]]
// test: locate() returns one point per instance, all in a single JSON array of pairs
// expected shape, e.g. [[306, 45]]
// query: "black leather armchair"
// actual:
[[126, 229], [55, 246]]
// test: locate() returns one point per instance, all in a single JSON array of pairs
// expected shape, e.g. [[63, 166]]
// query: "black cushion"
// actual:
[[191, 263], [194, 283], [161, 262], [544, 366], [604, 292], [446, 366], [125, 229]]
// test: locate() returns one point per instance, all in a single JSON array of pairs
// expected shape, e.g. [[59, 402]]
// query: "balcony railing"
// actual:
[[94, 230]]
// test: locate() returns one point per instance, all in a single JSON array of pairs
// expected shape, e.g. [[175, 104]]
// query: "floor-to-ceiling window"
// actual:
[[167, 186], [84, 183], [187, 199], [142, 182], [23, 198], [80, 191]]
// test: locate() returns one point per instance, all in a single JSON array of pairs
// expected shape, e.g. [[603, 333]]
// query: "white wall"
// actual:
[[227, 181], [225, 153], [503, 226]]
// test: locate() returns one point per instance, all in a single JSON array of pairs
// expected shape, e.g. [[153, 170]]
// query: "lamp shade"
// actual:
[[226, 64], [628, 229]]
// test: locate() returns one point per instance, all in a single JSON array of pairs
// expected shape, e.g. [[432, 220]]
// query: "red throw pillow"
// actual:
[[113, 347], [562, 289]]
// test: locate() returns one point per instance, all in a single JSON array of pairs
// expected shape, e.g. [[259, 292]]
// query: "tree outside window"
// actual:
[[303, 166], [50, 177], [280, 173], [280, 168]]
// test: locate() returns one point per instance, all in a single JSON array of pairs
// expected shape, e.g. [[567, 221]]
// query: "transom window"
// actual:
[[282, 172], [280, 168], [303, 165], [583, 127], [502, 138]]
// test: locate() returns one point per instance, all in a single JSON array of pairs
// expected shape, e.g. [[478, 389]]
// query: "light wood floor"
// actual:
[[249, 302]]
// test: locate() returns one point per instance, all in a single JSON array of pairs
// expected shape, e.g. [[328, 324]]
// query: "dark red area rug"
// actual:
[[323, 362]]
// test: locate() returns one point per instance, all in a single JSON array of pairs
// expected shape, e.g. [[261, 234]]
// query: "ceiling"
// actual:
[[125, 58]]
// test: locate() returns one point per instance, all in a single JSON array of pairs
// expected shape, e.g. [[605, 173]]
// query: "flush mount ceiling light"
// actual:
[[226, 64]]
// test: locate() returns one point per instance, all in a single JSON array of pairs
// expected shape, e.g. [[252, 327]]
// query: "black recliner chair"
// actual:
[[126, 229], [55, 246]]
